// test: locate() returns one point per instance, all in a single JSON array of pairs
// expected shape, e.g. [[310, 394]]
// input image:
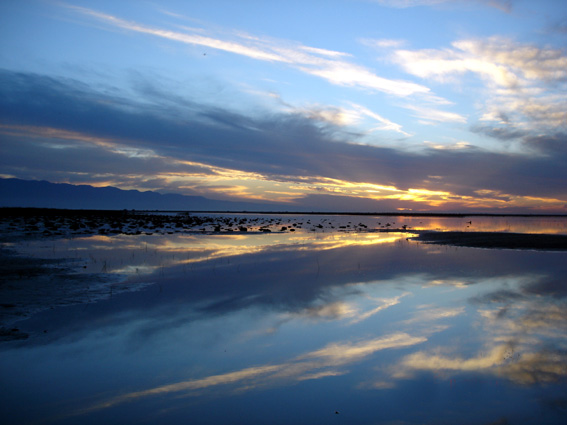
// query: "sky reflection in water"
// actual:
[[289, 328]]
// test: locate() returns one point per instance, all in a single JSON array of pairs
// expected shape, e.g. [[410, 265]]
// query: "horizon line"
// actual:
[[376, 213]]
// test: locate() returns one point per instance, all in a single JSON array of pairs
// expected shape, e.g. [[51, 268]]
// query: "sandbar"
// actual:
[[501, 240]]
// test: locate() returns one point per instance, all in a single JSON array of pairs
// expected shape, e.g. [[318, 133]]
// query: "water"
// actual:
[[309, 327], [519, 224]]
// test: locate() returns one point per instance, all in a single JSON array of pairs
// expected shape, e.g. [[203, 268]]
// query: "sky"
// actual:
[[344, 105]]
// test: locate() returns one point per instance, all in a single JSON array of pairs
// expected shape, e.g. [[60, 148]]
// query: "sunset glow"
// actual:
[[439, 106]]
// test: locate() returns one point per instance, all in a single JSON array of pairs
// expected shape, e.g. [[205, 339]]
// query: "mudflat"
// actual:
[[496, 240]]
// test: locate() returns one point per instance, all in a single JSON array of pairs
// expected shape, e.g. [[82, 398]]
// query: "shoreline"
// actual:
[[67, 211], [494, 240], [18, 224]]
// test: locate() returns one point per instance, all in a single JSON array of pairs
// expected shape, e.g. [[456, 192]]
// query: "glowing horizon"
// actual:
[[443, 106]]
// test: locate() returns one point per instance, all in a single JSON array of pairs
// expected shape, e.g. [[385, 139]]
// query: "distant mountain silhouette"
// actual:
[[43, 194]]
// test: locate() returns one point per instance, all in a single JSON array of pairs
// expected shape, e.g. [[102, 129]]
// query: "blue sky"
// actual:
[[424, 105]]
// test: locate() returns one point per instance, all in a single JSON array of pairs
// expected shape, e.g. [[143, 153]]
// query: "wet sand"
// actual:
[[29, 285]]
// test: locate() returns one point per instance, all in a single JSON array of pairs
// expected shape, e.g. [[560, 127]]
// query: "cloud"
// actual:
[[384, 304], [195, 39], [524, 84], [333, 311], [502, 61], [537, 368], [338, 354], [525, 369], [529, 318], [340, 310], [432, 314], [351, 75], [71, 130], [383, 43], [353, 115], [523, 338], [384, 123], [323, 63], [428, 114], [304, 367], [196, 384], [425, 361]]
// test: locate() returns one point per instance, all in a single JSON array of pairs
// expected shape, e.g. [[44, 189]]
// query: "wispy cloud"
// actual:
[[384, 123], [383, 43], [430, 115], [329, 65], [383, 303], [229, 46], [353, 115], [432, 314], [344, 353], [318, 364], [333, 311]]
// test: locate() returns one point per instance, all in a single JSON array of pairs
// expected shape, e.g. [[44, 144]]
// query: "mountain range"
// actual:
[[43, 194]]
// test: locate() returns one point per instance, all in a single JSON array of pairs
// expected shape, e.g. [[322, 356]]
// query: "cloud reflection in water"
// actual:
[[241, 316], [301, 368]]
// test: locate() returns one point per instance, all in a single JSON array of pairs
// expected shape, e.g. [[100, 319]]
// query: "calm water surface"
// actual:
[[296, 328]]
